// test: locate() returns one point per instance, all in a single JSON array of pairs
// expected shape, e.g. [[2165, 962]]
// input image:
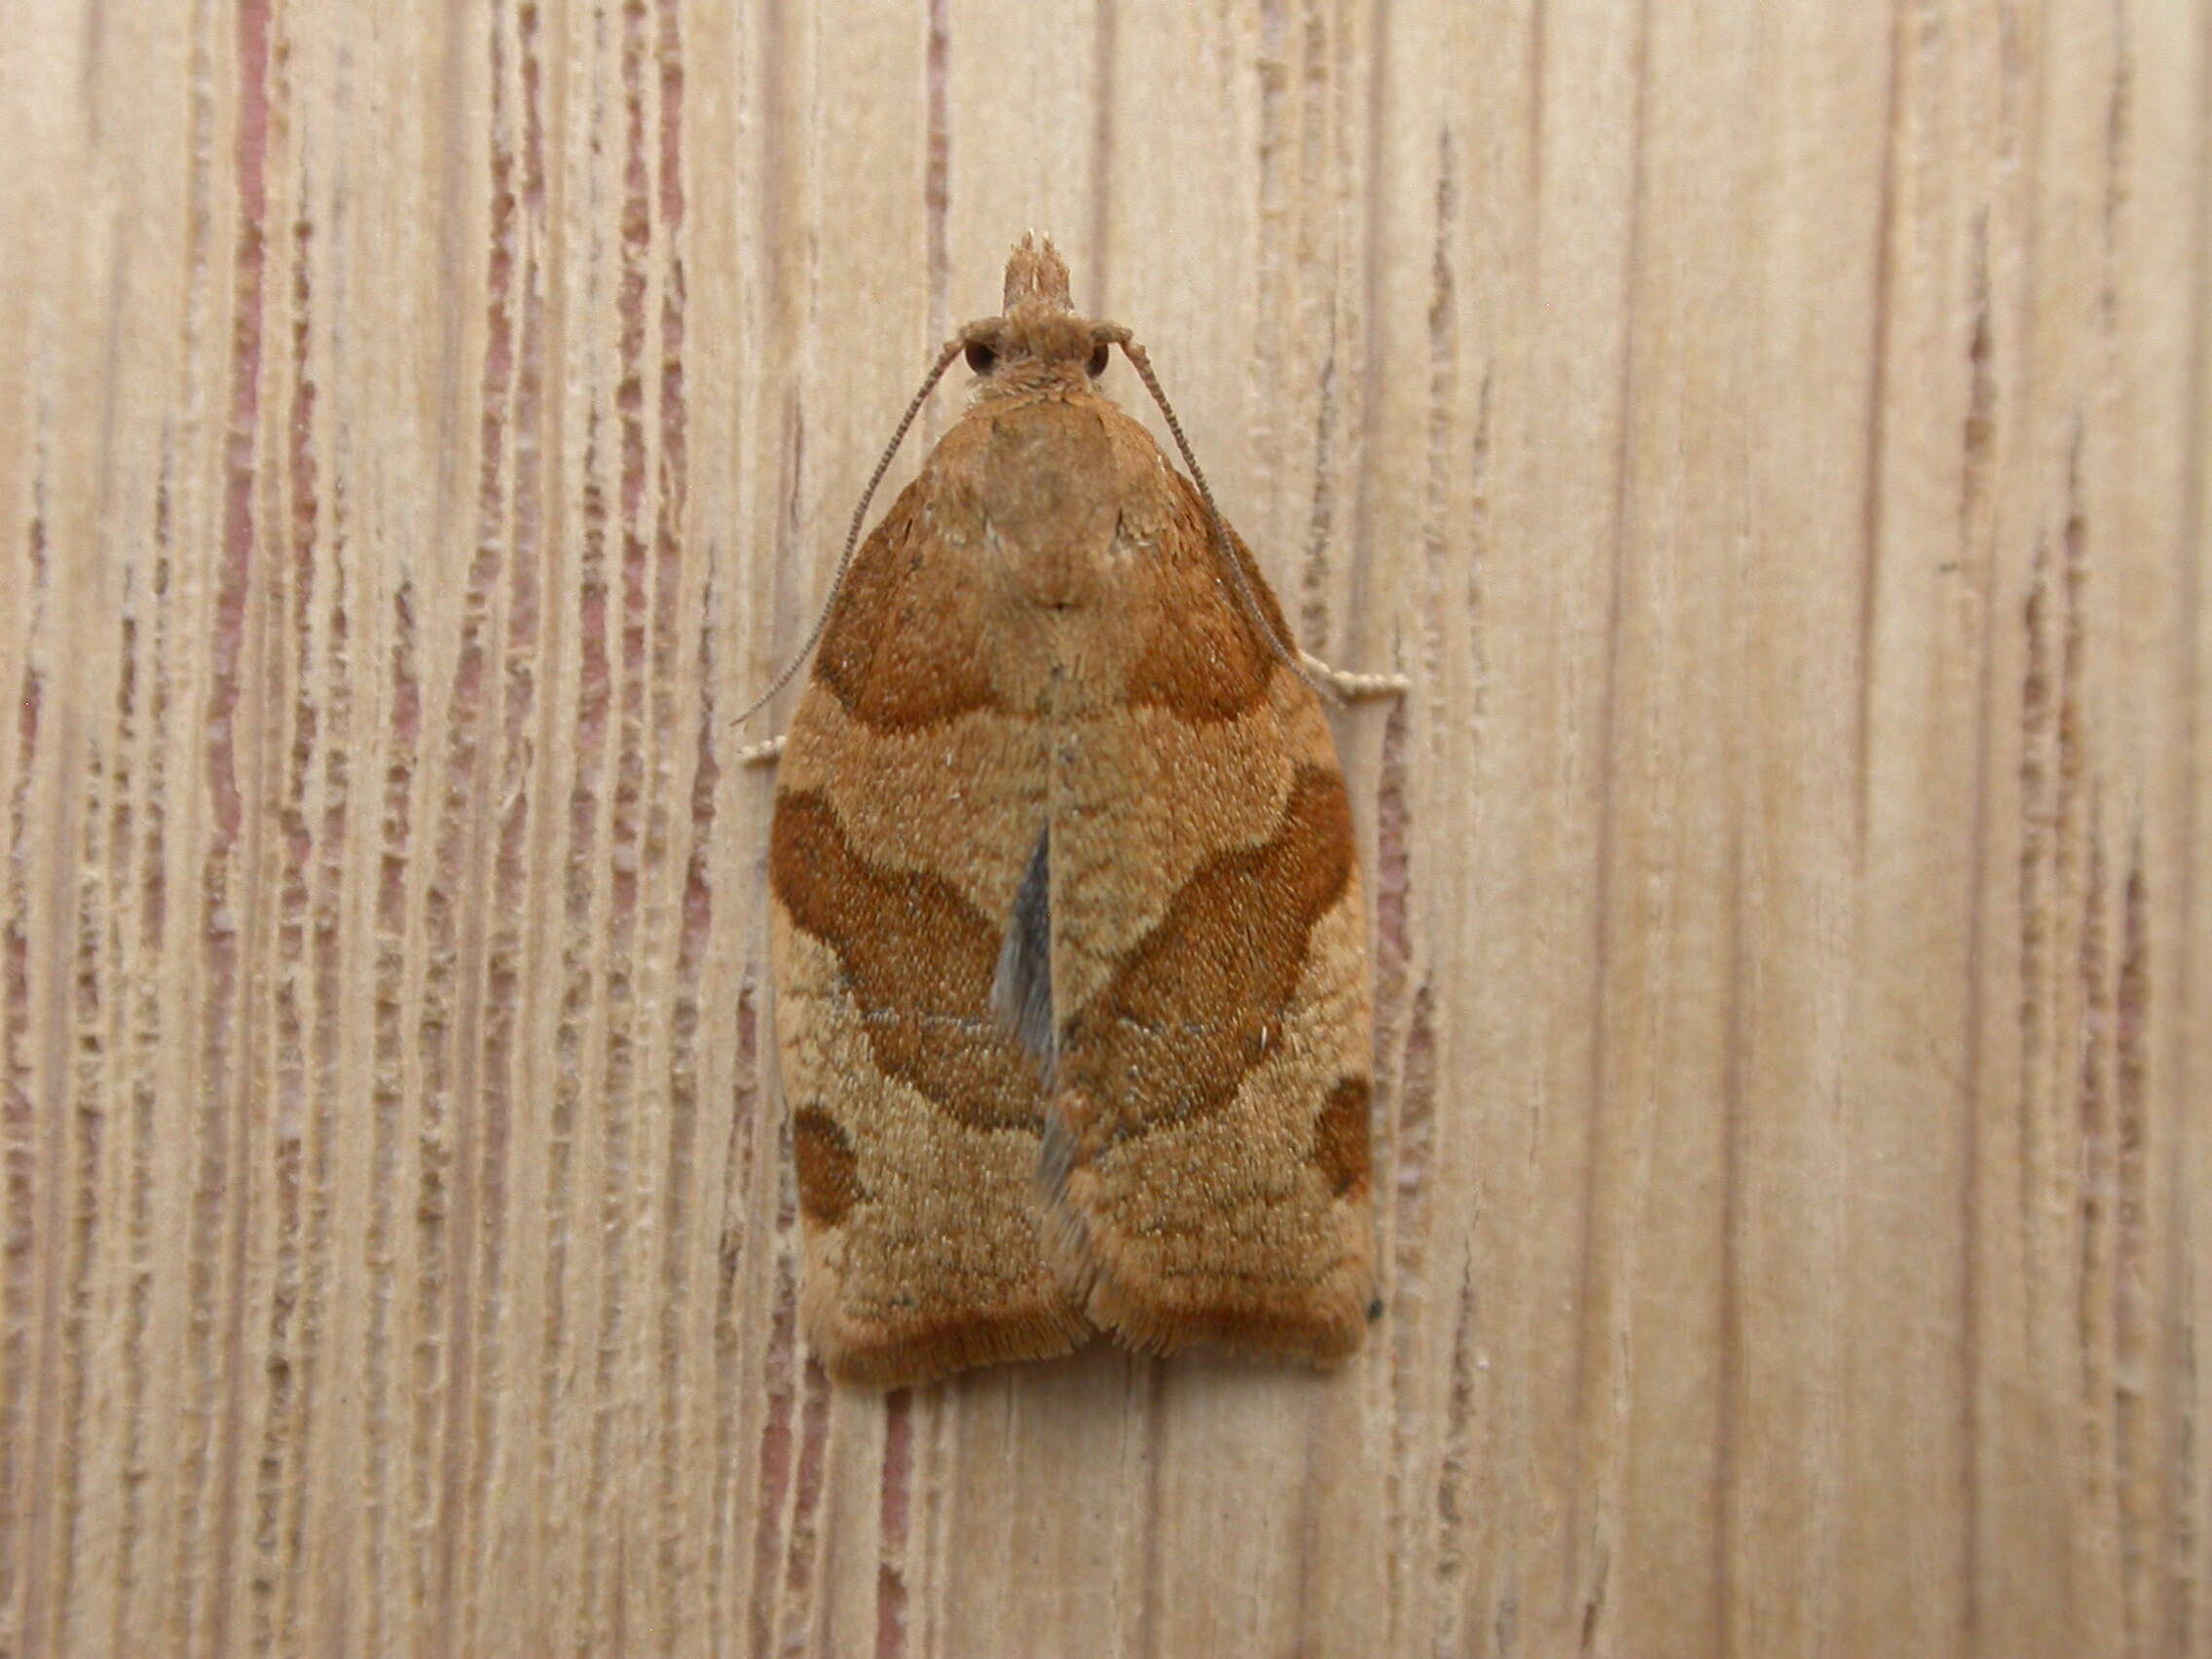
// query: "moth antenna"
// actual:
[[951, 350], [1223, 547]]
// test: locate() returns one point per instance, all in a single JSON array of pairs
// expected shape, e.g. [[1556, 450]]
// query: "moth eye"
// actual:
[[1098, 363], [981, 358]]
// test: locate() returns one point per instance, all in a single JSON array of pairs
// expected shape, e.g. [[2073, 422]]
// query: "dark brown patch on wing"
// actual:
[[918, 960], [892, 654], [1203, 659], [1340, 1136], [1200, 1000], [828, 1174]]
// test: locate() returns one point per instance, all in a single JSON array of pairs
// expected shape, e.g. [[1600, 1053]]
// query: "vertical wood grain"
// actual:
[[1774, 439]]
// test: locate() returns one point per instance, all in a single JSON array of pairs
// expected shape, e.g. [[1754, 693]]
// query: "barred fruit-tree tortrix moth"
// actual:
[[1071, 990]]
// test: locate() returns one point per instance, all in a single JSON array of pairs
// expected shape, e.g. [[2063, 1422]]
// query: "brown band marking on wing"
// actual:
[[1200, 1000], [918, 960]]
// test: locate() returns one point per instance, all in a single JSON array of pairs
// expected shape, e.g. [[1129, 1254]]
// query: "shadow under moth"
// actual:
[[1070, 991]]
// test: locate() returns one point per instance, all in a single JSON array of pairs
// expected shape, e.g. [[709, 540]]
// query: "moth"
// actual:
[[1071, 1000]]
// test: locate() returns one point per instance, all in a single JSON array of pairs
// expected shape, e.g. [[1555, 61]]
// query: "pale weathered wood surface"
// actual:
[[1773, 437]]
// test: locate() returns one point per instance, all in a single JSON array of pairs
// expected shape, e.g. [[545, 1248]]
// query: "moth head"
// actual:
[[1033, 347], [1039, 343]]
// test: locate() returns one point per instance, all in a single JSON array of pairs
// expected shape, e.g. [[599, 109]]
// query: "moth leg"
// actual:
[[761, 754], [1352, 687]]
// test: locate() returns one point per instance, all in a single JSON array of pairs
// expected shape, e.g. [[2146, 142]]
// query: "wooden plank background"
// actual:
[[1772, 436]]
